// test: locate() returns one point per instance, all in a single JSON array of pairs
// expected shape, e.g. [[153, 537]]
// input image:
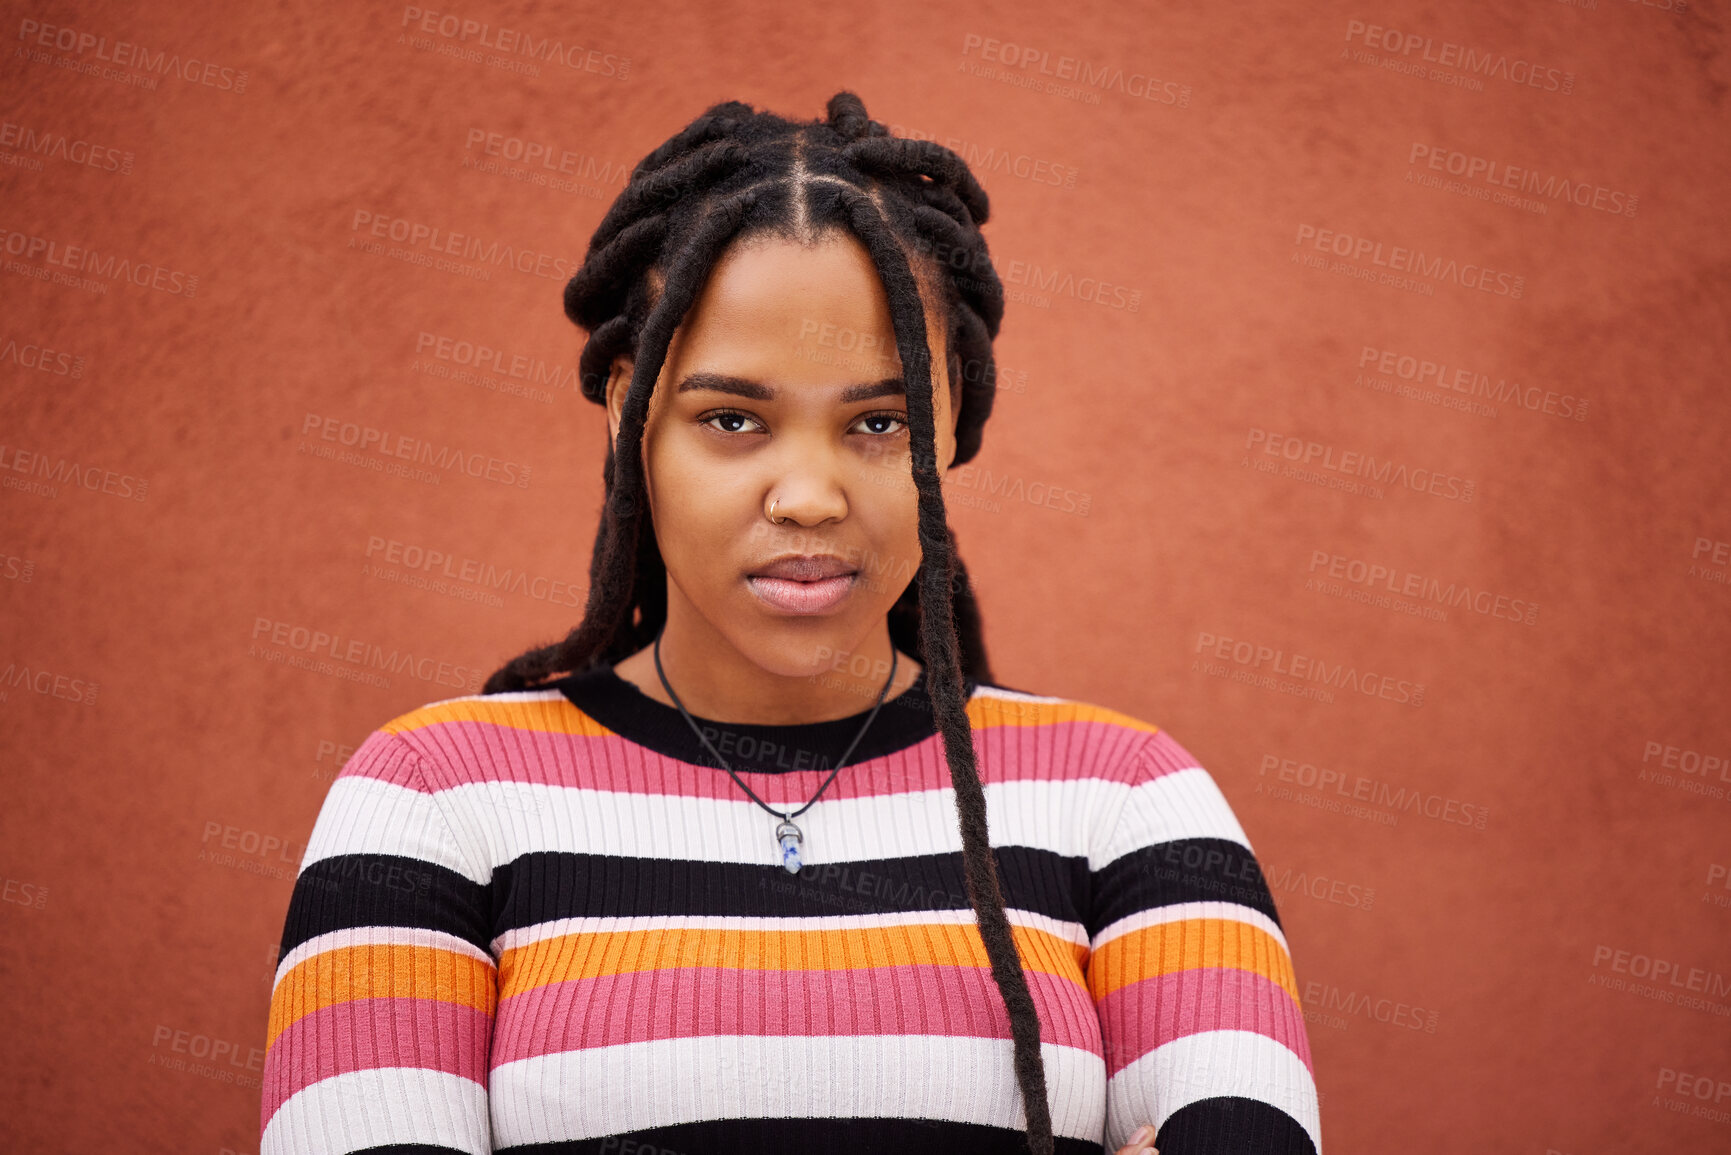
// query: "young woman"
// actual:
[[714, 873]]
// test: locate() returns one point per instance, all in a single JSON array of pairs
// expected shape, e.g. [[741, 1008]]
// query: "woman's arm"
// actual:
[[1189, 969], [381, 1018]]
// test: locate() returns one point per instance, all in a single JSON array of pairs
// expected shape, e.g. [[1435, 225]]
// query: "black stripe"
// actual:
[[349, 890], [408, 1149], [552, 884], [1184, 870], [1228, 1125], [865, 1136]]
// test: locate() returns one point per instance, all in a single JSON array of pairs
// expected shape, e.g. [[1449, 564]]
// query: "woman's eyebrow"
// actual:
[[757, 391]]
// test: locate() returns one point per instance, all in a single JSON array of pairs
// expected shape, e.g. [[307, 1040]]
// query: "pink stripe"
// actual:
[[388, 758], [367, 1034], [460, 753], [687, 1002], [1165, 756], [1151, 1013]]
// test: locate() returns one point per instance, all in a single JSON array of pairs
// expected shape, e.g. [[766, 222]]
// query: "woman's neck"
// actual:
[[716, 681]]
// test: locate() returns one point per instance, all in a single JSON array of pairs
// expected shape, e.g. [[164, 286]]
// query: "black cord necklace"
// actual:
[[787, 835]]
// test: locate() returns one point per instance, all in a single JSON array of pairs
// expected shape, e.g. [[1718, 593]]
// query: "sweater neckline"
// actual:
[[902, 721]]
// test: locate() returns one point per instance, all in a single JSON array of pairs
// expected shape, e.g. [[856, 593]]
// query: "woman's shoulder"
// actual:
[[1000, 704], [1130, 745], [1158, 792], [519, 707], [452, 730]]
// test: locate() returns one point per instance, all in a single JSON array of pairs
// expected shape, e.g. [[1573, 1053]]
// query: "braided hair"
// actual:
[[736, 172]]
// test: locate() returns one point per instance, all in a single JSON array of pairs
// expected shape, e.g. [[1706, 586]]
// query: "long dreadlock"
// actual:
[[736, 172]]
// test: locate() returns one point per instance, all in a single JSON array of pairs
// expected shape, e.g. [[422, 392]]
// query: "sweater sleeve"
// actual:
[[1189, 969], [381, 1017]]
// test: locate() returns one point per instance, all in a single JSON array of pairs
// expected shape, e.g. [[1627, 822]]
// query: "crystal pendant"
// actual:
[[790, 838]]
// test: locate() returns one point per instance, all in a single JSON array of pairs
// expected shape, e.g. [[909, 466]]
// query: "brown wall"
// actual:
[[163, 762]]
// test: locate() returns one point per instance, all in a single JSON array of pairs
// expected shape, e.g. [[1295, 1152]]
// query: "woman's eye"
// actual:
[[878, 420], [730, 421]]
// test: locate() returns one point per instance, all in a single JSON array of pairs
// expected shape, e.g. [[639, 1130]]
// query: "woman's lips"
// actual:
[[797, 597]]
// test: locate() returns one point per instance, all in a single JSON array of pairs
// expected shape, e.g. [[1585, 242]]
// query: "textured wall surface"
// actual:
[[1364, 423]]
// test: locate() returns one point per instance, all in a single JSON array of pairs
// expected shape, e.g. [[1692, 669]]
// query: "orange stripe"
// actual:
[[559, 716], [591, 954], [986, 713], [1185, 945], [379, 971], [554, 716]]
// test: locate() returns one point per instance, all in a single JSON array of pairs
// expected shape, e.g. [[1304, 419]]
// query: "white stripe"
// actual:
[[633, 924], [1182, 804], [373, 1108], [1180, 911], [633, 1086], [508, 696], [517, 818], [1004, 694], [363, 815], [367, 815], [386, 936], [1154, 1087]]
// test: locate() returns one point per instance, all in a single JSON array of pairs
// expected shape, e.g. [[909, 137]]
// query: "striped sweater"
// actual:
[[546, 922]]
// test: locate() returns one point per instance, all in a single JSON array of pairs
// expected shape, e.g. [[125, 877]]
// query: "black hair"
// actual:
[[736, 172]]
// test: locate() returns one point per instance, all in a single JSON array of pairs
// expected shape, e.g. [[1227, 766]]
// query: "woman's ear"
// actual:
[[618, 382]]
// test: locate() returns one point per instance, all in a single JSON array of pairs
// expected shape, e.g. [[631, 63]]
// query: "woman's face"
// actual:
[[783, 385]]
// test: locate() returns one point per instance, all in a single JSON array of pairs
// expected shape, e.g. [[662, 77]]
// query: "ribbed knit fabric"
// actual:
[[547, 922]]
